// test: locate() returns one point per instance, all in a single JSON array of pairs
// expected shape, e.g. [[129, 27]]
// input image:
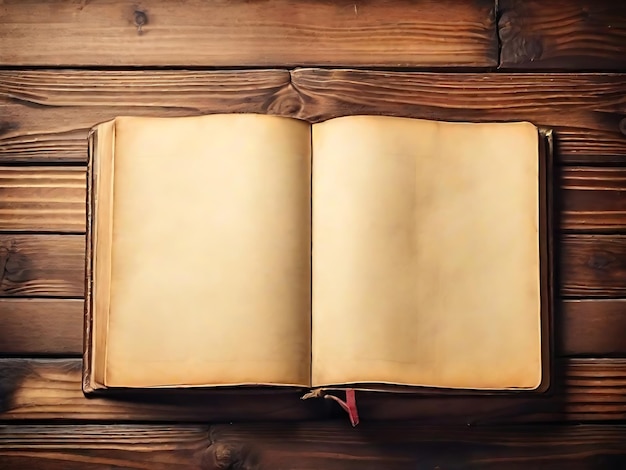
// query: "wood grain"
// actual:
[[54, 326], [45, 115], [413, 446], [592, 199], [49, 389], [43, 199], [42, 265], [45, 389], [583, 390], [593, 265], [561, 34], [52, 199], [41, 326], [585, 110], [311, 445], [53, 265], [591, 327], [249, 33], [72, 447]]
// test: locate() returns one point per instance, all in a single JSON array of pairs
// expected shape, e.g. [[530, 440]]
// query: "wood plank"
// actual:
[[242, 33], [45, 115], [49, 389], [54, 326], [583, 390], [591, 327], [53, 199], [411, 445], [585, 110], [592, 199], [561, 34], [42, 265], [72, 447], [45, 389], [311, 445], [42, 199], [53, 265], [41, 326], [593, 265]]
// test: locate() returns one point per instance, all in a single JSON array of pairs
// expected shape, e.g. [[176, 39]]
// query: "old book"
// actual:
[[364, 252]]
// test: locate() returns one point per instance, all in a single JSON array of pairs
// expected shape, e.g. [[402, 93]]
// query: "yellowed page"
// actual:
[[425, 253], [102, 167], [211, 252]]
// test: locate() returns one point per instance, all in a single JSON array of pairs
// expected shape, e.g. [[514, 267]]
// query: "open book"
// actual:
[[364, 251]]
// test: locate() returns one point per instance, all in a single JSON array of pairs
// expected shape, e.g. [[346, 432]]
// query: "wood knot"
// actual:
[[221, 456], [507, 26], [15, 267], [527, 49], [622, 126], [285, 102], [601, 261], [517, 46], [4, 257], [140, 19], [8, 126]]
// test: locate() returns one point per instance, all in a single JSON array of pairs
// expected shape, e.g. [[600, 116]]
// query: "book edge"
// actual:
[[88, 384]]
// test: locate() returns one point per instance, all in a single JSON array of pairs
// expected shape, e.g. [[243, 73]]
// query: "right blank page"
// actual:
[[426, 253]]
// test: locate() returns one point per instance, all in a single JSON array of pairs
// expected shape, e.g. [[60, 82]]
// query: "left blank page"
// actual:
[[210, 262]]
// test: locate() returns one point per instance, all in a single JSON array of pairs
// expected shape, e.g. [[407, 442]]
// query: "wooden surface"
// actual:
[[42, 265], [45, 199], [592, 199], [329, 445], [591, 327], [593, 265], [52, 199], [402, 446], [67, 65], [250, 33], [49, 389], [41, 327], [45, 115], [585, 34], [585, 110], [34, 326]]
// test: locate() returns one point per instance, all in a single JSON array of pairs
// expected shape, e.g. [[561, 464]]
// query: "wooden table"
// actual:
[[66, 65]]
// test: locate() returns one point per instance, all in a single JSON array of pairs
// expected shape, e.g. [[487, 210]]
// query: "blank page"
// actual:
[[426, 253], [210, 267]]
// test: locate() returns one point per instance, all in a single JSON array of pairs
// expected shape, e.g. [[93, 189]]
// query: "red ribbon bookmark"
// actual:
[[349, 405]]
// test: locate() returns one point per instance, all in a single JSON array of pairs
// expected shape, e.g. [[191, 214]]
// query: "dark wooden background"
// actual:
[[66, 65]]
